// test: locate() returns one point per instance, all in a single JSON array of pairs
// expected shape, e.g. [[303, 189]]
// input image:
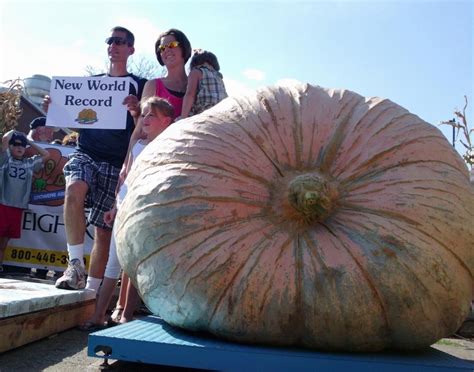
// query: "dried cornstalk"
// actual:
[[463, 127], [10, 109]]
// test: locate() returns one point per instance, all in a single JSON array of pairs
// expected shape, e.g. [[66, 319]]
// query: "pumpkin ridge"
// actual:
[[260, 128], [356, 208], [409, 183], [178, 239], [361, 178], [269, 285], [394, 122], [309, 160], [209, 137], [211, 171], [341, 122], [297, 129], [225, 290], [207, 168], [366, 121], [224, 199], [217, 233], [365, 274], [258, 143], [409, 272], [275, 123], [298, 327], [183, 237], [409, 222], [380, 243]]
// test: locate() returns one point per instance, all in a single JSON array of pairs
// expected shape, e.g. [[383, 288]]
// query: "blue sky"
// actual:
[[417, 53]]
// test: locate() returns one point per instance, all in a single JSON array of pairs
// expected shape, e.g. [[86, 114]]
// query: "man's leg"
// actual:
[[99, 257], [74, 219], [104, 200], [75, 224], [3, 246]]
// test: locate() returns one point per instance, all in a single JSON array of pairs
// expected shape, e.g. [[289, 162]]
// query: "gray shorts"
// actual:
[[102, 179]]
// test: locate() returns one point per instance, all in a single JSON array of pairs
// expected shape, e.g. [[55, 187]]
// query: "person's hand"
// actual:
[[109, 216], [133, 105], [46, 102]]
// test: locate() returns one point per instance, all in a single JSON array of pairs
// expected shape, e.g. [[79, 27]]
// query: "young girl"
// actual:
[[205, 85], [156, 115]]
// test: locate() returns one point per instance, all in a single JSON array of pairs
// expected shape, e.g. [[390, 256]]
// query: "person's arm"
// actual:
[[133, 106], [109, 216], [149, 90], [193, 82], [46, 102], [42, 152], [6, 137]]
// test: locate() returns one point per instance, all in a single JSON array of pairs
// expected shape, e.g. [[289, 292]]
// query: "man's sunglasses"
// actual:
[[171, 45], [116, 40]]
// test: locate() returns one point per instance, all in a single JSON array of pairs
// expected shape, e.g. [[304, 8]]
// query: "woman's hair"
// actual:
[[158, 104], [201, 56], [128, 34], [181, 38]]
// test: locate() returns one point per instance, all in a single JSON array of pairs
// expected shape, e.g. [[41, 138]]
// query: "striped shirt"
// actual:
[[16, 177]]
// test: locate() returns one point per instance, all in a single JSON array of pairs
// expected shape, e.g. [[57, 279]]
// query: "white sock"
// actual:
[[93, 283], [76, 251]]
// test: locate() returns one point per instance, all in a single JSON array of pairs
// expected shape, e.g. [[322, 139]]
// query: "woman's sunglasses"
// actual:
[[171, 45], [116, 40]]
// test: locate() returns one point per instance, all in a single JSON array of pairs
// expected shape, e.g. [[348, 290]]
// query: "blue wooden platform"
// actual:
[[151, 340]]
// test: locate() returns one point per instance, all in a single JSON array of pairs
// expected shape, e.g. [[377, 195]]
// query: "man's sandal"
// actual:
[[92, 327]]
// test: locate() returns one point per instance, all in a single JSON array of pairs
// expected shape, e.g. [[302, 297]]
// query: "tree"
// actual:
[[139, 65], [463, 127], [10, 109]]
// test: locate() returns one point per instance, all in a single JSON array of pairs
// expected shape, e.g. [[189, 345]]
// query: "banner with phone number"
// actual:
[[43, 236]]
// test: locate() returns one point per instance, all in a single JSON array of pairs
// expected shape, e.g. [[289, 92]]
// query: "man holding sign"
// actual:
[[92, 171]]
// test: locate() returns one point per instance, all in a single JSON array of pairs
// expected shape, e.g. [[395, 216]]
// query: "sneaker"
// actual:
[[74, 277]]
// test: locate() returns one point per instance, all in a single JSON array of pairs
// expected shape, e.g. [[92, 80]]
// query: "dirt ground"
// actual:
[[67, 351]]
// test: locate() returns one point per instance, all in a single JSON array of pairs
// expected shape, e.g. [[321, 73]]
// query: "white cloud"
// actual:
[[49, 61], [236, 88], [254, 74], [287, 82], [145, 33]]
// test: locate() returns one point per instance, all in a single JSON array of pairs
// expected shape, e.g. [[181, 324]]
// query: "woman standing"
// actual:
[[173, 50]]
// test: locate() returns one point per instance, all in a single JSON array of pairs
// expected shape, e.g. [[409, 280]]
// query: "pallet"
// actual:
[[31, 311], [151, 340]]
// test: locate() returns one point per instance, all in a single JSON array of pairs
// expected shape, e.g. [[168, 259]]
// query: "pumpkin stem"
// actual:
[[312, 195]]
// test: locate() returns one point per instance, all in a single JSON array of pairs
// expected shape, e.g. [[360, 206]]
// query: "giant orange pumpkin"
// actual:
[[303, 216]]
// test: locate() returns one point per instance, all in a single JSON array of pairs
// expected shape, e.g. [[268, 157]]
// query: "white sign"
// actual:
[[43, 240], [88, 102]]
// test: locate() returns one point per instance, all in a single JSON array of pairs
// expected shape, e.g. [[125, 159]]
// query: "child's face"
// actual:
[[154, 122], [17, 151]]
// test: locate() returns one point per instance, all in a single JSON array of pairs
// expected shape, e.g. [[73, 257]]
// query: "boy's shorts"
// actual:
[[10, 221], [102, 179]]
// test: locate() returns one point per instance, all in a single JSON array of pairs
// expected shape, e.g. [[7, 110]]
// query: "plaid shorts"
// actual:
[[102, 179]]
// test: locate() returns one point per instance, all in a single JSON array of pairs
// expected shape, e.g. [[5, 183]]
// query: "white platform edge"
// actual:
[[21, 297]]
